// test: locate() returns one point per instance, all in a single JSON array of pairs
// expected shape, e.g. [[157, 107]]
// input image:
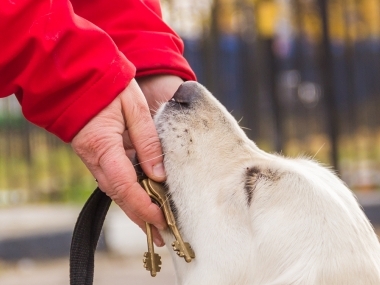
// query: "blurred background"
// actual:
[[302, 76]]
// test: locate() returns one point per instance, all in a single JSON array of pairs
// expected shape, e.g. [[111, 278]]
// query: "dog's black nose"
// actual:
[[187, 92]]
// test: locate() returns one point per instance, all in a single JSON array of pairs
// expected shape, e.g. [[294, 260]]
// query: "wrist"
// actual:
[[158, 89]]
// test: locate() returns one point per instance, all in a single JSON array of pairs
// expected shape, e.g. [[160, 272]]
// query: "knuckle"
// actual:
[[121, 192], [91, 147]]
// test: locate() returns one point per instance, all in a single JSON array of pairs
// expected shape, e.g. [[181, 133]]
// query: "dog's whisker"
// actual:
[[160, 102], [318, 151], [163, 154], [151, 158], [168, 195], [154, 110]]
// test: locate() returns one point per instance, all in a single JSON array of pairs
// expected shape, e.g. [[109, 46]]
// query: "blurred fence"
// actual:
[[35, 165], [304, 76]]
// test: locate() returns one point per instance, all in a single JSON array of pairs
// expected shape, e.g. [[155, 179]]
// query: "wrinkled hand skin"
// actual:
[[122, 128]]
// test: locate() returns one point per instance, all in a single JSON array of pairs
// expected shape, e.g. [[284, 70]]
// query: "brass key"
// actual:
[[157, 192], [152, 261]]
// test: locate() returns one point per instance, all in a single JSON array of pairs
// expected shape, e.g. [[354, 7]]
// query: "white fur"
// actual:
[[303, 226]]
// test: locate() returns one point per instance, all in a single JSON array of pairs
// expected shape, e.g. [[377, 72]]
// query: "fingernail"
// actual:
[[159, 170]]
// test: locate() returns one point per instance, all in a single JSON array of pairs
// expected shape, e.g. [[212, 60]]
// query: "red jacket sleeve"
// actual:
[[137, 28], [62, 68]]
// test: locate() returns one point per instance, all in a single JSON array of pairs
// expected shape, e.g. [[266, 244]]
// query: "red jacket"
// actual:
[[66, 61]]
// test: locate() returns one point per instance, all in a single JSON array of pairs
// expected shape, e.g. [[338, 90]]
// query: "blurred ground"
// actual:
[[109, 270], [35, 243]]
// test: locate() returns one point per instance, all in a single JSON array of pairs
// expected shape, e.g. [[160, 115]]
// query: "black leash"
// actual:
[[85, 238], [87, 232]]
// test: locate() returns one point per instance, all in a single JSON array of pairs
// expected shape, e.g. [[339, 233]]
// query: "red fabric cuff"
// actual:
[[172, 63], [95, 99]]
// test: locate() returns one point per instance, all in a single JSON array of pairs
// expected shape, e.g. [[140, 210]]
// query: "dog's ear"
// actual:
[[253, 176]]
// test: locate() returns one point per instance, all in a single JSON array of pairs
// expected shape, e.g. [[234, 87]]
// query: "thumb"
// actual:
[[142, 132]]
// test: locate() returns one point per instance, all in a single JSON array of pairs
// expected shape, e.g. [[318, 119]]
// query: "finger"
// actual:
[[157, 239], [117, 178], [142, 132], [127, 204], [123, 188]]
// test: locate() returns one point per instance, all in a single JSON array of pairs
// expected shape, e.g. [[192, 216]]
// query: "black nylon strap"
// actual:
[[85, 238]]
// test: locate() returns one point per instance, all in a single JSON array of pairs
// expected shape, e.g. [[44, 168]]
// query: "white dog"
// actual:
[[253, 217]]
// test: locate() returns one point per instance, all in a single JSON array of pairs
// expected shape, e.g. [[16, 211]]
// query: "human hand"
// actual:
[[158, 89], [100, 146]]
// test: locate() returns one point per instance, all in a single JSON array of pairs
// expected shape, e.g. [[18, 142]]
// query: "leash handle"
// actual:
[[85, 238]]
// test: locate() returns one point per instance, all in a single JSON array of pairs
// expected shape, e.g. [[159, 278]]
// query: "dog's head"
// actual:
[[253, 217], [208, 160], [206, 152]]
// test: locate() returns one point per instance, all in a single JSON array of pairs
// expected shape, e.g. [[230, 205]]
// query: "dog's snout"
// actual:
[[187, 92]]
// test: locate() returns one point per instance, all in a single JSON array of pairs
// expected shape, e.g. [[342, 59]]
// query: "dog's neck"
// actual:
[[212, 249]]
